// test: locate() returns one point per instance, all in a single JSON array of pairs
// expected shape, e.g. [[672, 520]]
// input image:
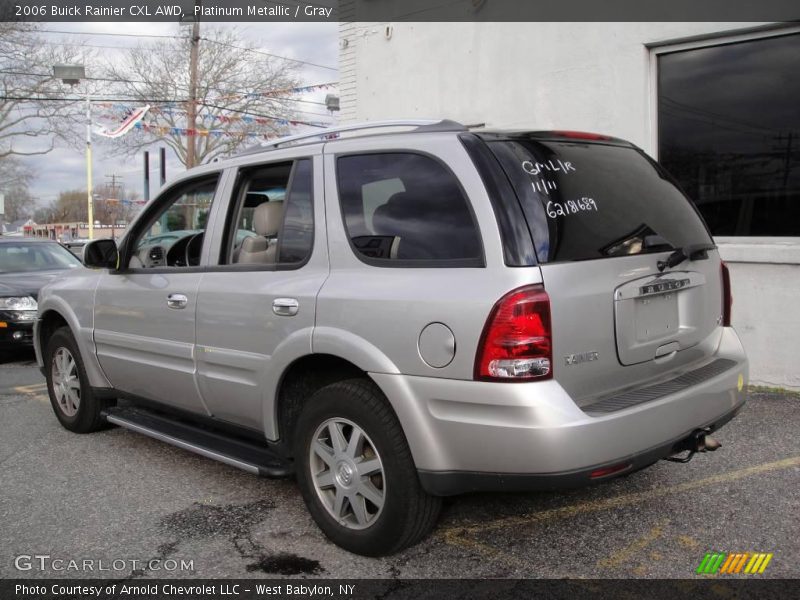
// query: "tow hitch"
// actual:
[[698, 441]]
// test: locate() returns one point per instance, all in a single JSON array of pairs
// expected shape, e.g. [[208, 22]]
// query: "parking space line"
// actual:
[[620, 501], [35, 388], [463, 536], [625, 554]]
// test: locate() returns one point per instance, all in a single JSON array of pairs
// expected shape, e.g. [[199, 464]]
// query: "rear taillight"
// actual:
[[516, 344], [727, 299]]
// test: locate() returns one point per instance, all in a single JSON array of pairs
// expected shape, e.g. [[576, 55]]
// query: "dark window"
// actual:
[[729, 131], [406, 207], [274, 221], [588, 200]]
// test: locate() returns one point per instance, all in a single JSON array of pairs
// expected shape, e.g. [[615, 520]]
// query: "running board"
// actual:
[[245, 455]]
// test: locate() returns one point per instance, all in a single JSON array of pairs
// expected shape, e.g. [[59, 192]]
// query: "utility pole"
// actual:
[[89, 198], [787, 155], [114, 185], [191, 150]]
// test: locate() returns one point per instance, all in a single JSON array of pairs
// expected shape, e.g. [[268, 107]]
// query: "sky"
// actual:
[[65, 168]]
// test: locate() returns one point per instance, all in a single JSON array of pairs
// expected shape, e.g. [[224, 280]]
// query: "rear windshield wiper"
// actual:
[[688, 252]]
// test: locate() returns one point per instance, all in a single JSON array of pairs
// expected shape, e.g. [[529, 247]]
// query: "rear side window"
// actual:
[[587, 200], [402, 208]]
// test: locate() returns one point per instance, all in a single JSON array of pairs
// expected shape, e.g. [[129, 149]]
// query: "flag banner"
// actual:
[[134, 117]]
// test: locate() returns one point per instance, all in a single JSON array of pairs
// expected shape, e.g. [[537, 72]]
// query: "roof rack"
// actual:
[[420, 125]]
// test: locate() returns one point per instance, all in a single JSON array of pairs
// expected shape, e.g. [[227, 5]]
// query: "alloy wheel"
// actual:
[[347, 473], [66, 382]]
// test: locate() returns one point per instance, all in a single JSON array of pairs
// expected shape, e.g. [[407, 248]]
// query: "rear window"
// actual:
[[586, 201]]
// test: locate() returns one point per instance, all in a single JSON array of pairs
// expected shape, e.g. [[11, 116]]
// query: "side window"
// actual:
[[274, 218], [406, 207], [174, 236]]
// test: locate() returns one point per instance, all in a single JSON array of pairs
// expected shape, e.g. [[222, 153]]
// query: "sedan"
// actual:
[[25, 266]]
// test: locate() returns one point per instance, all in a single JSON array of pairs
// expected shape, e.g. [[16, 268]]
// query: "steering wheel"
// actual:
[[193, 248]]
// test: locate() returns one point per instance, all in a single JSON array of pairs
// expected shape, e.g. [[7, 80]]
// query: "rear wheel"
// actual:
[[356, 473], [75, 405]]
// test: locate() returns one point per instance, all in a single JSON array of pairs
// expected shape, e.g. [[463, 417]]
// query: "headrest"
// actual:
[[267, 218], [401, 208], [254, 244]]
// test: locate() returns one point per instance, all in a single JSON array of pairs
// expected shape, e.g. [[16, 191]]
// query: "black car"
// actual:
[[25, 266]]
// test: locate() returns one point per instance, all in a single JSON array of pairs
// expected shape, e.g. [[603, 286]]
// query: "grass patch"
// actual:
[[765, 389]]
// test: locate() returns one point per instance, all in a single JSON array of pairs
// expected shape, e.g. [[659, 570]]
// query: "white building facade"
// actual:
[[717, 103]]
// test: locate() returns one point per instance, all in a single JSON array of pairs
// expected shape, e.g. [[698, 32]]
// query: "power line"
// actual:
[[297, 60], [151, 101], [45, 99], [68, 45], [136, 35], [50, 76], [244, 112], [277, 98]]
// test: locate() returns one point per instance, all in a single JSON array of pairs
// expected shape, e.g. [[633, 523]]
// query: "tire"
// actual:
[[72, 399], [406, 514]]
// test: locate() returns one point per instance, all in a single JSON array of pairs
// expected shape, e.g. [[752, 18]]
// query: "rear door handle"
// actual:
[[285, 307], [177, 301]]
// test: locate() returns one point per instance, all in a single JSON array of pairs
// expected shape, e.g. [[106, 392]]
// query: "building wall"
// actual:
[[580, 76]]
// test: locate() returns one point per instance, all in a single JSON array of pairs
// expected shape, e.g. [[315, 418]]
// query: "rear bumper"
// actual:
[[441, 483], [470, 436]]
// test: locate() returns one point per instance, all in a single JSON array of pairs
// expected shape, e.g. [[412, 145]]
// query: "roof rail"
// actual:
[[420, 125]]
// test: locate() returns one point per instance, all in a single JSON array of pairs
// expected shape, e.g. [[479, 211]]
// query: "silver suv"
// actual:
[[400, 311]]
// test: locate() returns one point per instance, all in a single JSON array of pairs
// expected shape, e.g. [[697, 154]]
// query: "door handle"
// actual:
[[285, 307], [177, 301]]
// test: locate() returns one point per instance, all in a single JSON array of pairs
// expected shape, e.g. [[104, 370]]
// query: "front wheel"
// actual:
[[75, 405], [356, 473]]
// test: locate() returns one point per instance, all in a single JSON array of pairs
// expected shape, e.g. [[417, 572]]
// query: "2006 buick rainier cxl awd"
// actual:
[[401, 311]]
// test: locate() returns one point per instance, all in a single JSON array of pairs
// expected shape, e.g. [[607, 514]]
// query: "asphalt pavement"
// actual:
[[140, 508]]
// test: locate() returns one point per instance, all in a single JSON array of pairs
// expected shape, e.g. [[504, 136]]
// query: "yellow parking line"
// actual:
[[35, 388], [619, 501], [628, 552]]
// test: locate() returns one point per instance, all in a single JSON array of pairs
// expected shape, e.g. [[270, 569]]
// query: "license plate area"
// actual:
[[655, 311], [656, 317]]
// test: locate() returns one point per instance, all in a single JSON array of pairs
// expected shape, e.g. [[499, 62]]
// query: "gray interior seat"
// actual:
[[263, 247]]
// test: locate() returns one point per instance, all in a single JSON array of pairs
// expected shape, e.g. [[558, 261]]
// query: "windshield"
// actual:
[[586, 200], [24, 257]]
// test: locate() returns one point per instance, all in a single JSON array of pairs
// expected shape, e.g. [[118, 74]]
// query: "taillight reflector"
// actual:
[[516, 344], [727, 298], [606, 471]]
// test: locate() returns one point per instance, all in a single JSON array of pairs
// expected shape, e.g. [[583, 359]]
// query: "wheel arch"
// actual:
[[301, 379]]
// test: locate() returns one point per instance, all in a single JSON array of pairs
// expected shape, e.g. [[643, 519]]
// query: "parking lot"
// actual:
[[119, 496]]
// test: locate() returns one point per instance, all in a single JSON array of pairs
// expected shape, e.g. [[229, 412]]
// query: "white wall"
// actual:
[[581, 76]]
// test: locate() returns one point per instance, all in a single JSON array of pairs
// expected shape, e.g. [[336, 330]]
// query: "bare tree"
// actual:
[[31, 115], [19, 203], [114, 204], [238, 91], [13, 173]]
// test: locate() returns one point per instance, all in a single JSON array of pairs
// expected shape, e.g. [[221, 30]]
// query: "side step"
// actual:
[[242, 454]]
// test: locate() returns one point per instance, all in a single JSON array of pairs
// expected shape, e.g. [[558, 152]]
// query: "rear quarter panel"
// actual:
[[366, 307]]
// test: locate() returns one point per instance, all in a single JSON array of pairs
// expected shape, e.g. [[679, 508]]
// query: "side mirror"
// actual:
[[101, 254]]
